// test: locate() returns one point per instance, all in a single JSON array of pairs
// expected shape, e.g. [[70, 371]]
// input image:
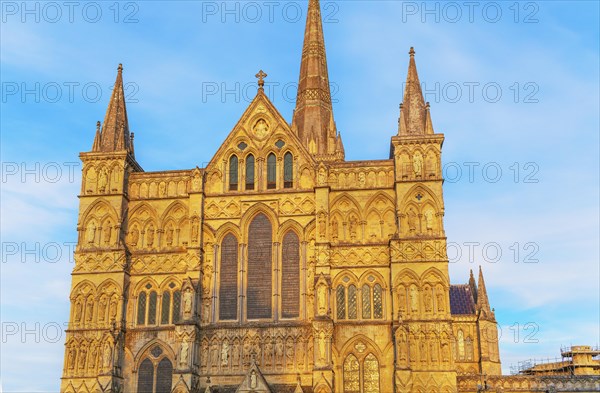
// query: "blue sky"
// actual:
[[513, 86]]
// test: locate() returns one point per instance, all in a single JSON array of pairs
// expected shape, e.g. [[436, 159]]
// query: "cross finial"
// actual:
[[412, 52], [261, 78]]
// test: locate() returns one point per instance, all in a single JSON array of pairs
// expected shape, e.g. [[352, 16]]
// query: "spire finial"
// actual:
[[412, 52], [261, 79], [120, 68], [98, 126]]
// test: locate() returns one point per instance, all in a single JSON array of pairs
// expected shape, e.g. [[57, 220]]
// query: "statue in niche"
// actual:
[[162, 189], [78, 309], [362, 179], [253, 380], [433, 349], [170, 235], [440, 301], [204, 355], [91, 233], [102, 181], [402, 299], [134, 236], [445, 352], [183, 360], [81, 357], [300, 354], [102, 309], [322, 228], [235, 354], [412, 220], [429, 220], [353, 224], [112, 311], [107, 233], [206, 279], [289, 354], [322, 347], [414, 299], [247, 352], [413, 350], [214, 354], [107, 358], [417, 165], [187, 301], [402, 348], [322, 176], [150, 236], [261, 128], [322, 299], [71, 359], [268, 353], [423, 349], [334, 229], [93, 356], [194, 230], [206, 312], [428, 301], [225, 353], [196, 182], [279, 352], [89, 310]]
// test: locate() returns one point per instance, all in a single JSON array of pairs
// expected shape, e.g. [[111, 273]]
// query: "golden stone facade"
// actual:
[[280, 267]]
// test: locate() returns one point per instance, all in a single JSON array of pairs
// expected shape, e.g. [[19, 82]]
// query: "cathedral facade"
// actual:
[[280, 266]]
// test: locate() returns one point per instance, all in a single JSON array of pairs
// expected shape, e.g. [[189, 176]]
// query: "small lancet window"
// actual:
[[288, 170], [233, 173], [141, 309], [271, 171], [165, 309], [152, 308], [176, 306], [250, 172]]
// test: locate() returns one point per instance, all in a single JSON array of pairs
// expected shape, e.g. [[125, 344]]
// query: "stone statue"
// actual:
[[322, 299], [78, 309], [113, 309], [150, 236], [187, 301], [412, 220], [194, 230], [204, 355], [170, 235], [428, 301], [71, 360], [91, 233], [81, 357], [289, 354], [433, 349], [135, 236], [225, 353], [214, 354], [423, 349], [206, 279], [89, 310], [353, 223], [107, 233], [279, 351], [414, 299], [322, 176], [445, 352], [402, 348], [183, 360], [235, 358], [107, 358], [402, 299], [93, 355], [102, 309], [268, 353], [417, 164], [429, 220], [334, 229], [253, 380], [102, 181], [362, 179], [261, 128], [322, 347], [300, 354], [162, 189], [247, 352], [440, 301]]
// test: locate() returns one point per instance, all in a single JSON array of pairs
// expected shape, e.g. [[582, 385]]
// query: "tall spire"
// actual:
[[473, 286], [414, 112], [483, 303], [313, 116], [115, 129]]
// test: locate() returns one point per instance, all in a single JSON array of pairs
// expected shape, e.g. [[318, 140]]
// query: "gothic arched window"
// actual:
[[461, 345], [366, 302], [152, 308], [377, 301], [141, 309], [228, 279], [340, 302], [290, 276], [165, 308], [361, 376], [233, 173], [155, 377], [352, 306], [250, 172], [288, 170], [176, 306], [260, 268], [271, 171]]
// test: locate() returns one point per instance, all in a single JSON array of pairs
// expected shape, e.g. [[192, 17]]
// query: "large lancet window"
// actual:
[[250, 172], [271, 171], [290, 276], [155, 377], [288, 170], [233, 173], [260, 265], [228, 283], [361, 376]]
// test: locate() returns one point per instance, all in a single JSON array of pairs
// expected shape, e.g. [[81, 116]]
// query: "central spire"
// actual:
[[313, 116]]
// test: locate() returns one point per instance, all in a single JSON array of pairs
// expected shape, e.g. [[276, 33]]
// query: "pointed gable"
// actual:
[[254, 381]]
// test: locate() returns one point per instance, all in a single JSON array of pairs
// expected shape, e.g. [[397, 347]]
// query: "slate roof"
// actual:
[[461, 300]]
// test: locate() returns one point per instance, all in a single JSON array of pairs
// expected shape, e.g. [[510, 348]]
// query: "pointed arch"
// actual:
[[260, 268], [290, 275], [174, 208], [228, 278]]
